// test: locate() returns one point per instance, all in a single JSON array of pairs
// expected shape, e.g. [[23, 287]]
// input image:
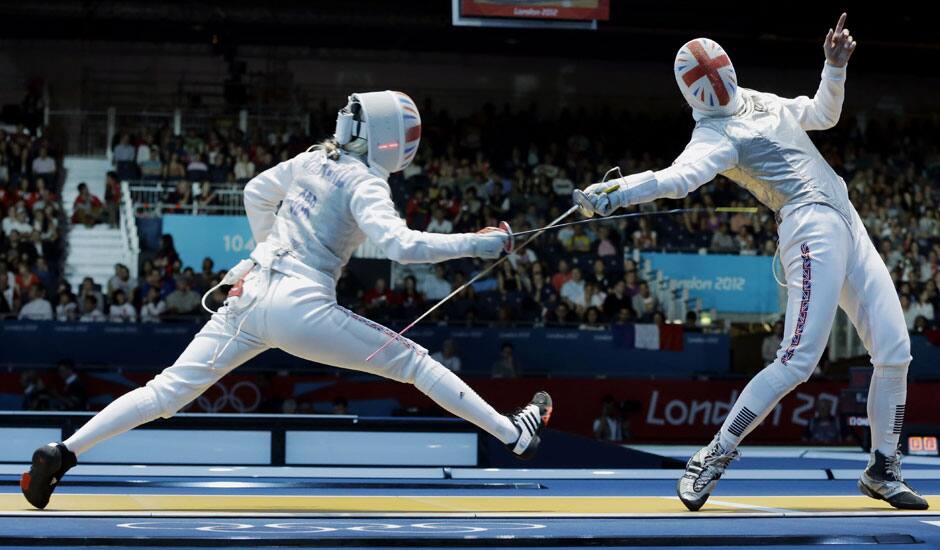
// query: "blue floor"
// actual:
[[42, 530]]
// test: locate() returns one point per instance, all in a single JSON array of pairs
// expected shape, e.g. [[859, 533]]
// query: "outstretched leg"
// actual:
[[322, 331]]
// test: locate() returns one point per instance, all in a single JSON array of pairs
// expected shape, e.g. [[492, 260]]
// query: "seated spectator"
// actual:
[[175, 171], [38, 308], [379, 297], [197, 169], [244, 168], [644, 238], [74, 397], [593, 296], [87, 289], [561, 276], [616, 300], [560, 316], [44, 166], [121, 311], [605, 245], [436, 286], [153, 307], [592, 320], [438, 224], [410, 300], [67, 309], [218, 170], [124, 151], [121, 280], [183, 301], [448, 356], [505, 366], [722, 242], [417, 213], [90, 312], [607, 426], [181, 198], [771, 343], [644, 303], [599, 275], [16, 220], [824, 427], [573, 290], [208, 198], [580, 241], [25, 279], [36, 397], [205, 279], [152, 168], [87, 209]]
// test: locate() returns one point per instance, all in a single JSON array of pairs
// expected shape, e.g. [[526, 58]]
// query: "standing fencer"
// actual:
[[759, 141], [331, 199]]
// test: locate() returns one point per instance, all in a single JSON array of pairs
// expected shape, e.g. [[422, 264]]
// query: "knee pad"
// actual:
[[428, 373], [891, 371], [896, 352], [147, 403]]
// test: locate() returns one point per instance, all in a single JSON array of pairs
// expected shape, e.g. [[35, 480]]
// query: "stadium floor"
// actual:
[[810, 502]]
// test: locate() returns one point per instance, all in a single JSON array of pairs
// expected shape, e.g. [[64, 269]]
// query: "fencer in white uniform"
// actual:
[[759, 141], [308, 215]]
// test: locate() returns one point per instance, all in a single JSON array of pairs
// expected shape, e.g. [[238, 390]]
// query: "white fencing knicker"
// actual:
[[288, 305], [829, 262]]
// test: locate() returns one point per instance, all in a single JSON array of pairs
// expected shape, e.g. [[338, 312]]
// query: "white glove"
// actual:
[[598, 198], [604, 198], [489, 242]]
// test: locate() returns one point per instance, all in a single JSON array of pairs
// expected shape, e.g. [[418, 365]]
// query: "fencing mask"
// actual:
[[706, 78], [388, 122]]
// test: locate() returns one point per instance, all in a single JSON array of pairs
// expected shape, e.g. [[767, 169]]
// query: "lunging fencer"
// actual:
[[331, 198], [759, 141]]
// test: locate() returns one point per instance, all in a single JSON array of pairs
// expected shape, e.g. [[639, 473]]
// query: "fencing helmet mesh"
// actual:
[[707, 79], [389, 123]]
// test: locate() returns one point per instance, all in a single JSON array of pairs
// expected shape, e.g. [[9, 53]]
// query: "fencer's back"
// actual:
[[314, 219], [777, 162]]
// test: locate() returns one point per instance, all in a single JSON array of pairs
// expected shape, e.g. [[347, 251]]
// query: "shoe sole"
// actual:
[[900, 506], [692, 505]]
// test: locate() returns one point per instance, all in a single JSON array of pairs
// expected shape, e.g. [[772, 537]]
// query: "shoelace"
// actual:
[[713, 463], [893, 467]]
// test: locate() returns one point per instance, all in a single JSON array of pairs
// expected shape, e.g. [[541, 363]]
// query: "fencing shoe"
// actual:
[[882, 480], [702, 473], [50, 462], [530, 420]]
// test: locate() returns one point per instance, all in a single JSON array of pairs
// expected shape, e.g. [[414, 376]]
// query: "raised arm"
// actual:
[[262, 195], [823, 110], [707, 154], [375, 214]]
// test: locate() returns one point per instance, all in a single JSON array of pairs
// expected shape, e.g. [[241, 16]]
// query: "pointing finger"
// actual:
[[841, 22]]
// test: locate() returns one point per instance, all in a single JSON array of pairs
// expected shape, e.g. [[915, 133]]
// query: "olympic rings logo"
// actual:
[[243, 397], [456, 527]]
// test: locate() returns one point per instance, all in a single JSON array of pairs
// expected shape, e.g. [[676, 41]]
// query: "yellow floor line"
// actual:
[[549, 505]]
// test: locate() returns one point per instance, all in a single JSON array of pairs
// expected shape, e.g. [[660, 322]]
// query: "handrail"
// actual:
[[128, 225]]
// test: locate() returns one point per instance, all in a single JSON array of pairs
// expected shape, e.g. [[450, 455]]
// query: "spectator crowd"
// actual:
[[472, 172]]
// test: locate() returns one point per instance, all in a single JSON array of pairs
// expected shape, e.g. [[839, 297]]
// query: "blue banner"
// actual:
[[225, 239], [727, 283]]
